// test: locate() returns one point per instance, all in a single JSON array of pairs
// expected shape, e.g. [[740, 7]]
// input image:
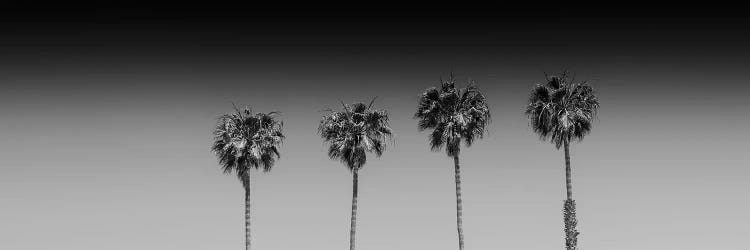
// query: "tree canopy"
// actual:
[[245, 140], [355, 131], [561, 110], [454, 115]]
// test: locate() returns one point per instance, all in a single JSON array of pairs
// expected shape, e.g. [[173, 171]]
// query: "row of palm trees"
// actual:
[[560, 110]]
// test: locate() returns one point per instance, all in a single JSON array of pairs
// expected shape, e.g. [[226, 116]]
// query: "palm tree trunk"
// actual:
[[459, 208], [568, 182], [569, 207], [354, 210], [247, 211]]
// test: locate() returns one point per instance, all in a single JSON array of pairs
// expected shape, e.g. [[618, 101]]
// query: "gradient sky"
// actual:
[[106, 119]]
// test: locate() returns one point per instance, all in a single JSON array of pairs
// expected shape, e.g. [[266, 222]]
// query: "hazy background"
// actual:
[[106, 117]]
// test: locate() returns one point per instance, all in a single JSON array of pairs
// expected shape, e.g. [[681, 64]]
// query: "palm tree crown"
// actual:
[[353, 132], [244, 140], [455, 115], [561, 110]]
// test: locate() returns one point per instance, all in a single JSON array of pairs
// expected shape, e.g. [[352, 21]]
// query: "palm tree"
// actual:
[[245, 140], [454, 115], [351, 133], [560, 111]]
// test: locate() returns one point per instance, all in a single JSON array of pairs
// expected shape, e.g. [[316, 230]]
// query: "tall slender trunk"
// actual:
[[569, 207], [459, 206], [354, 210], [568, 182], [247, 211]]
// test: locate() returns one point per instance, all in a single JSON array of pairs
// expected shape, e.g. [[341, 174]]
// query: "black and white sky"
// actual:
[[106, 116]]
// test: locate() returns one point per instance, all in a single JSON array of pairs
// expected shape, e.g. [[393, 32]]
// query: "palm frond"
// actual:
[[562, 110], [453, 114], [245, 140], [354, 132]]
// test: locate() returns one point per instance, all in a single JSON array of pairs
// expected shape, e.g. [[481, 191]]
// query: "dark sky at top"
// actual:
[[513, 25]]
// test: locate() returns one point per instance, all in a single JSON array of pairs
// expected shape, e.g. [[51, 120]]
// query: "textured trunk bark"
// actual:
[[459, 206], [354, 210], [568, 182], [569, 207], [569, 218], [247, 211]]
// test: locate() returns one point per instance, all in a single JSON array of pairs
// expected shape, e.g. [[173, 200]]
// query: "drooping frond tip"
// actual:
[[453, 114], [355, 131], [561, 110]]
